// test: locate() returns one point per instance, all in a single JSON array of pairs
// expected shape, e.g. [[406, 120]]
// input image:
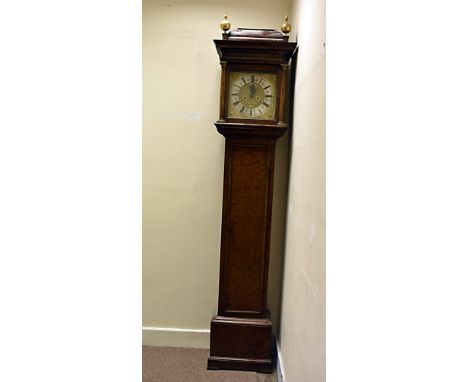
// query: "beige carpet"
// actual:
[[161, 364]]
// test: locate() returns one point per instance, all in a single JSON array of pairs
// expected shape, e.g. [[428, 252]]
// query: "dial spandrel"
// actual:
[[252, 95]]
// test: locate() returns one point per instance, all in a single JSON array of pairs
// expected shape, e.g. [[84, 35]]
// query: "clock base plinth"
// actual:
[[241, 344], [256, 365]]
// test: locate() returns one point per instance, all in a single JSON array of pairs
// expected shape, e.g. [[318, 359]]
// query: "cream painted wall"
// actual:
[[302, 331], [183, 166]]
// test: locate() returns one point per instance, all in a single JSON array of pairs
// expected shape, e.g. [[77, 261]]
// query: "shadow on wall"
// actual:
[[279, 214]]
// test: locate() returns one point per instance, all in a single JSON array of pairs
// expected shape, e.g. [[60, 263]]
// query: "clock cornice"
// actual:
[[261, 46]]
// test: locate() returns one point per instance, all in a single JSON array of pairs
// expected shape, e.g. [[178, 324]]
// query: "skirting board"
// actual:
[[279, 365], [176, 337]]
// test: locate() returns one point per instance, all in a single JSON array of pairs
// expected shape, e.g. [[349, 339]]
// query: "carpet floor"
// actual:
[[163, 364]]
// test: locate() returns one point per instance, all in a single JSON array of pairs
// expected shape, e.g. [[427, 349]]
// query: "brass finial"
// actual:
[[286, 27], [225, 24]]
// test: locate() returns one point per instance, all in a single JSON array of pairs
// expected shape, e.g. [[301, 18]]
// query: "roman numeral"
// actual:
[[235, 103], [244, 80], [251, 112], [252, 78], [235, 94], [268, 95], [266, 104], [267, 87], [242, 109]]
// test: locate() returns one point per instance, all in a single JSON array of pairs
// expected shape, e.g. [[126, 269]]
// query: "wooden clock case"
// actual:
[[241, 333]]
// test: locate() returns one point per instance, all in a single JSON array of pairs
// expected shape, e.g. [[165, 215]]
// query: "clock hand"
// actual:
[[252, 89]]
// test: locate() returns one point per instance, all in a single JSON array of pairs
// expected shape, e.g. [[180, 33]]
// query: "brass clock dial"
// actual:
[[252, 95]]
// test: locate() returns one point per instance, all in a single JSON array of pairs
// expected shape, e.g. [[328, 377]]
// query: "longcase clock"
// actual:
[[251, 117]]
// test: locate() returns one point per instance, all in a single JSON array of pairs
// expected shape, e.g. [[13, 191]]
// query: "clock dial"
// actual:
[[252, 95]]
